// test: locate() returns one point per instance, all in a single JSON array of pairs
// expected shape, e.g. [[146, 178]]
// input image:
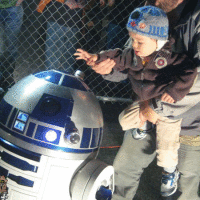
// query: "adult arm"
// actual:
[[123, 58], [118, 71]]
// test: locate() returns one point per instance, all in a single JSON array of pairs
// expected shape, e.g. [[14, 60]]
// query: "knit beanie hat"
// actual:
[[149, 21]]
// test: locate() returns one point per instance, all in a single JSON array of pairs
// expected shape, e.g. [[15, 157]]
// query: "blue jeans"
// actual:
[[116, 36], [11, 20], [60, 46]]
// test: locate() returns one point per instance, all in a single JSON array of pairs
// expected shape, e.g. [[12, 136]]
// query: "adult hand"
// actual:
[[111, 2], [90, 24], [167, 98], [104, 67], [102, 3], [147, 113], [71, 4], [18, 2]]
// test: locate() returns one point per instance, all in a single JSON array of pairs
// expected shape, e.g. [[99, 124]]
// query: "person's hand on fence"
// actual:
[[167, 98], [90, 24], [147, 113], [71, 4], [18, 2], [102, 3], [111, 2]]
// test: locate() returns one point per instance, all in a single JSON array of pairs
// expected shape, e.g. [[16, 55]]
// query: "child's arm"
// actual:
[[90, 59], [104, 62]]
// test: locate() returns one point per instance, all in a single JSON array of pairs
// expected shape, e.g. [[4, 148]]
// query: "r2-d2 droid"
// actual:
[[51, 127]]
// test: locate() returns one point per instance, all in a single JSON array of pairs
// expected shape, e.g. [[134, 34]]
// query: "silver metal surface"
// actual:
[[86, 114]]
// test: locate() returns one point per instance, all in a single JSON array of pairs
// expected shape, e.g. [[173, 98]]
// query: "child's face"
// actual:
[[142, 45]]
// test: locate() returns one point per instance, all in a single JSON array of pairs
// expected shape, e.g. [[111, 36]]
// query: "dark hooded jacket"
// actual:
[[166, 71]]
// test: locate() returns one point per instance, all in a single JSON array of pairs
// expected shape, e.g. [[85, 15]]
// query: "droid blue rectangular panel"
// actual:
[[95, 137], [46, 134], [21, 180], [53, 110], [3, 172], [73, 82], [19, 125], [86, 137], [30, 129], [5, 110], [22, 152], [51, 76], [100, 136], [42, 144], [18, 163], [22, 116]]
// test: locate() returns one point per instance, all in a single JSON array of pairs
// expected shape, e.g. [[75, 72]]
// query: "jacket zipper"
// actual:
[[142, 78]]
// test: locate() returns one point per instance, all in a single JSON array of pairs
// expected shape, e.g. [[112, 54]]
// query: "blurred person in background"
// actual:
[[63, 34], [118, 12], [11, 19], [93, 18]]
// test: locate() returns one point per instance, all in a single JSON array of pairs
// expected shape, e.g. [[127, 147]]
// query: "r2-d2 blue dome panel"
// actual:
[[52, 113]]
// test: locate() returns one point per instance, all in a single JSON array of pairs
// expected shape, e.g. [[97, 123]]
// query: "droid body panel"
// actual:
[[50, 129]]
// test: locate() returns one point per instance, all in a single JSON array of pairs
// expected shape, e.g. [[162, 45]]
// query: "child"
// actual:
[[155, 73]]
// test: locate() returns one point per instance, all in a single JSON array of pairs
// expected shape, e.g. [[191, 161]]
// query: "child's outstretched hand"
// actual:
[[167, 98], [104, 67], [84, 55]]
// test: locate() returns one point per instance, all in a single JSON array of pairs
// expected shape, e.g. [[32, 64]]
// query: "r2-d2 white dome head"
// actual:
[[50, 129]]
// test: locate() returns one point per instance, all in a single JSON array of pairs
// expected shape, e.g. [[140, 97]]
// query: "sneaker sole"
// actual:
[[176, 186], [170, 193]]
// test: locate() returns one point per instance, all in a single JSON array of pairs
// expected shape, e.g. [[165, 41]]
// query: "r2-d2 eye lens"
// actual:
[[73, 138], [51, 136]]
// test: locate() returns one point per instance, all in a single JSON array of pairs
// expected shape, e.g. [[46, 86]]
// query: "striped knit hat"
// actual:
[[149, 21]]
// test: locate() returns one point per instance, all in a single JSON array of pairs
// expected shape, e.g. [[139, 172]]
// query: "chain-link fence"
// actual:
[[50, 32]]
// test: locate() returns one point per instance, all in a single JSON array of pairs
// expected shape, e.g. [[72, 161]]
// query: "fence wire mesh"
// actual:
[[34, 40]]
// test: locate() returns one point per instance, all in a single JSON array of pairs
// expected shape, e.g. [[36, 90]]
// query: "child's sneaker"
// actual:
[[169, 183], [139, 134]]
